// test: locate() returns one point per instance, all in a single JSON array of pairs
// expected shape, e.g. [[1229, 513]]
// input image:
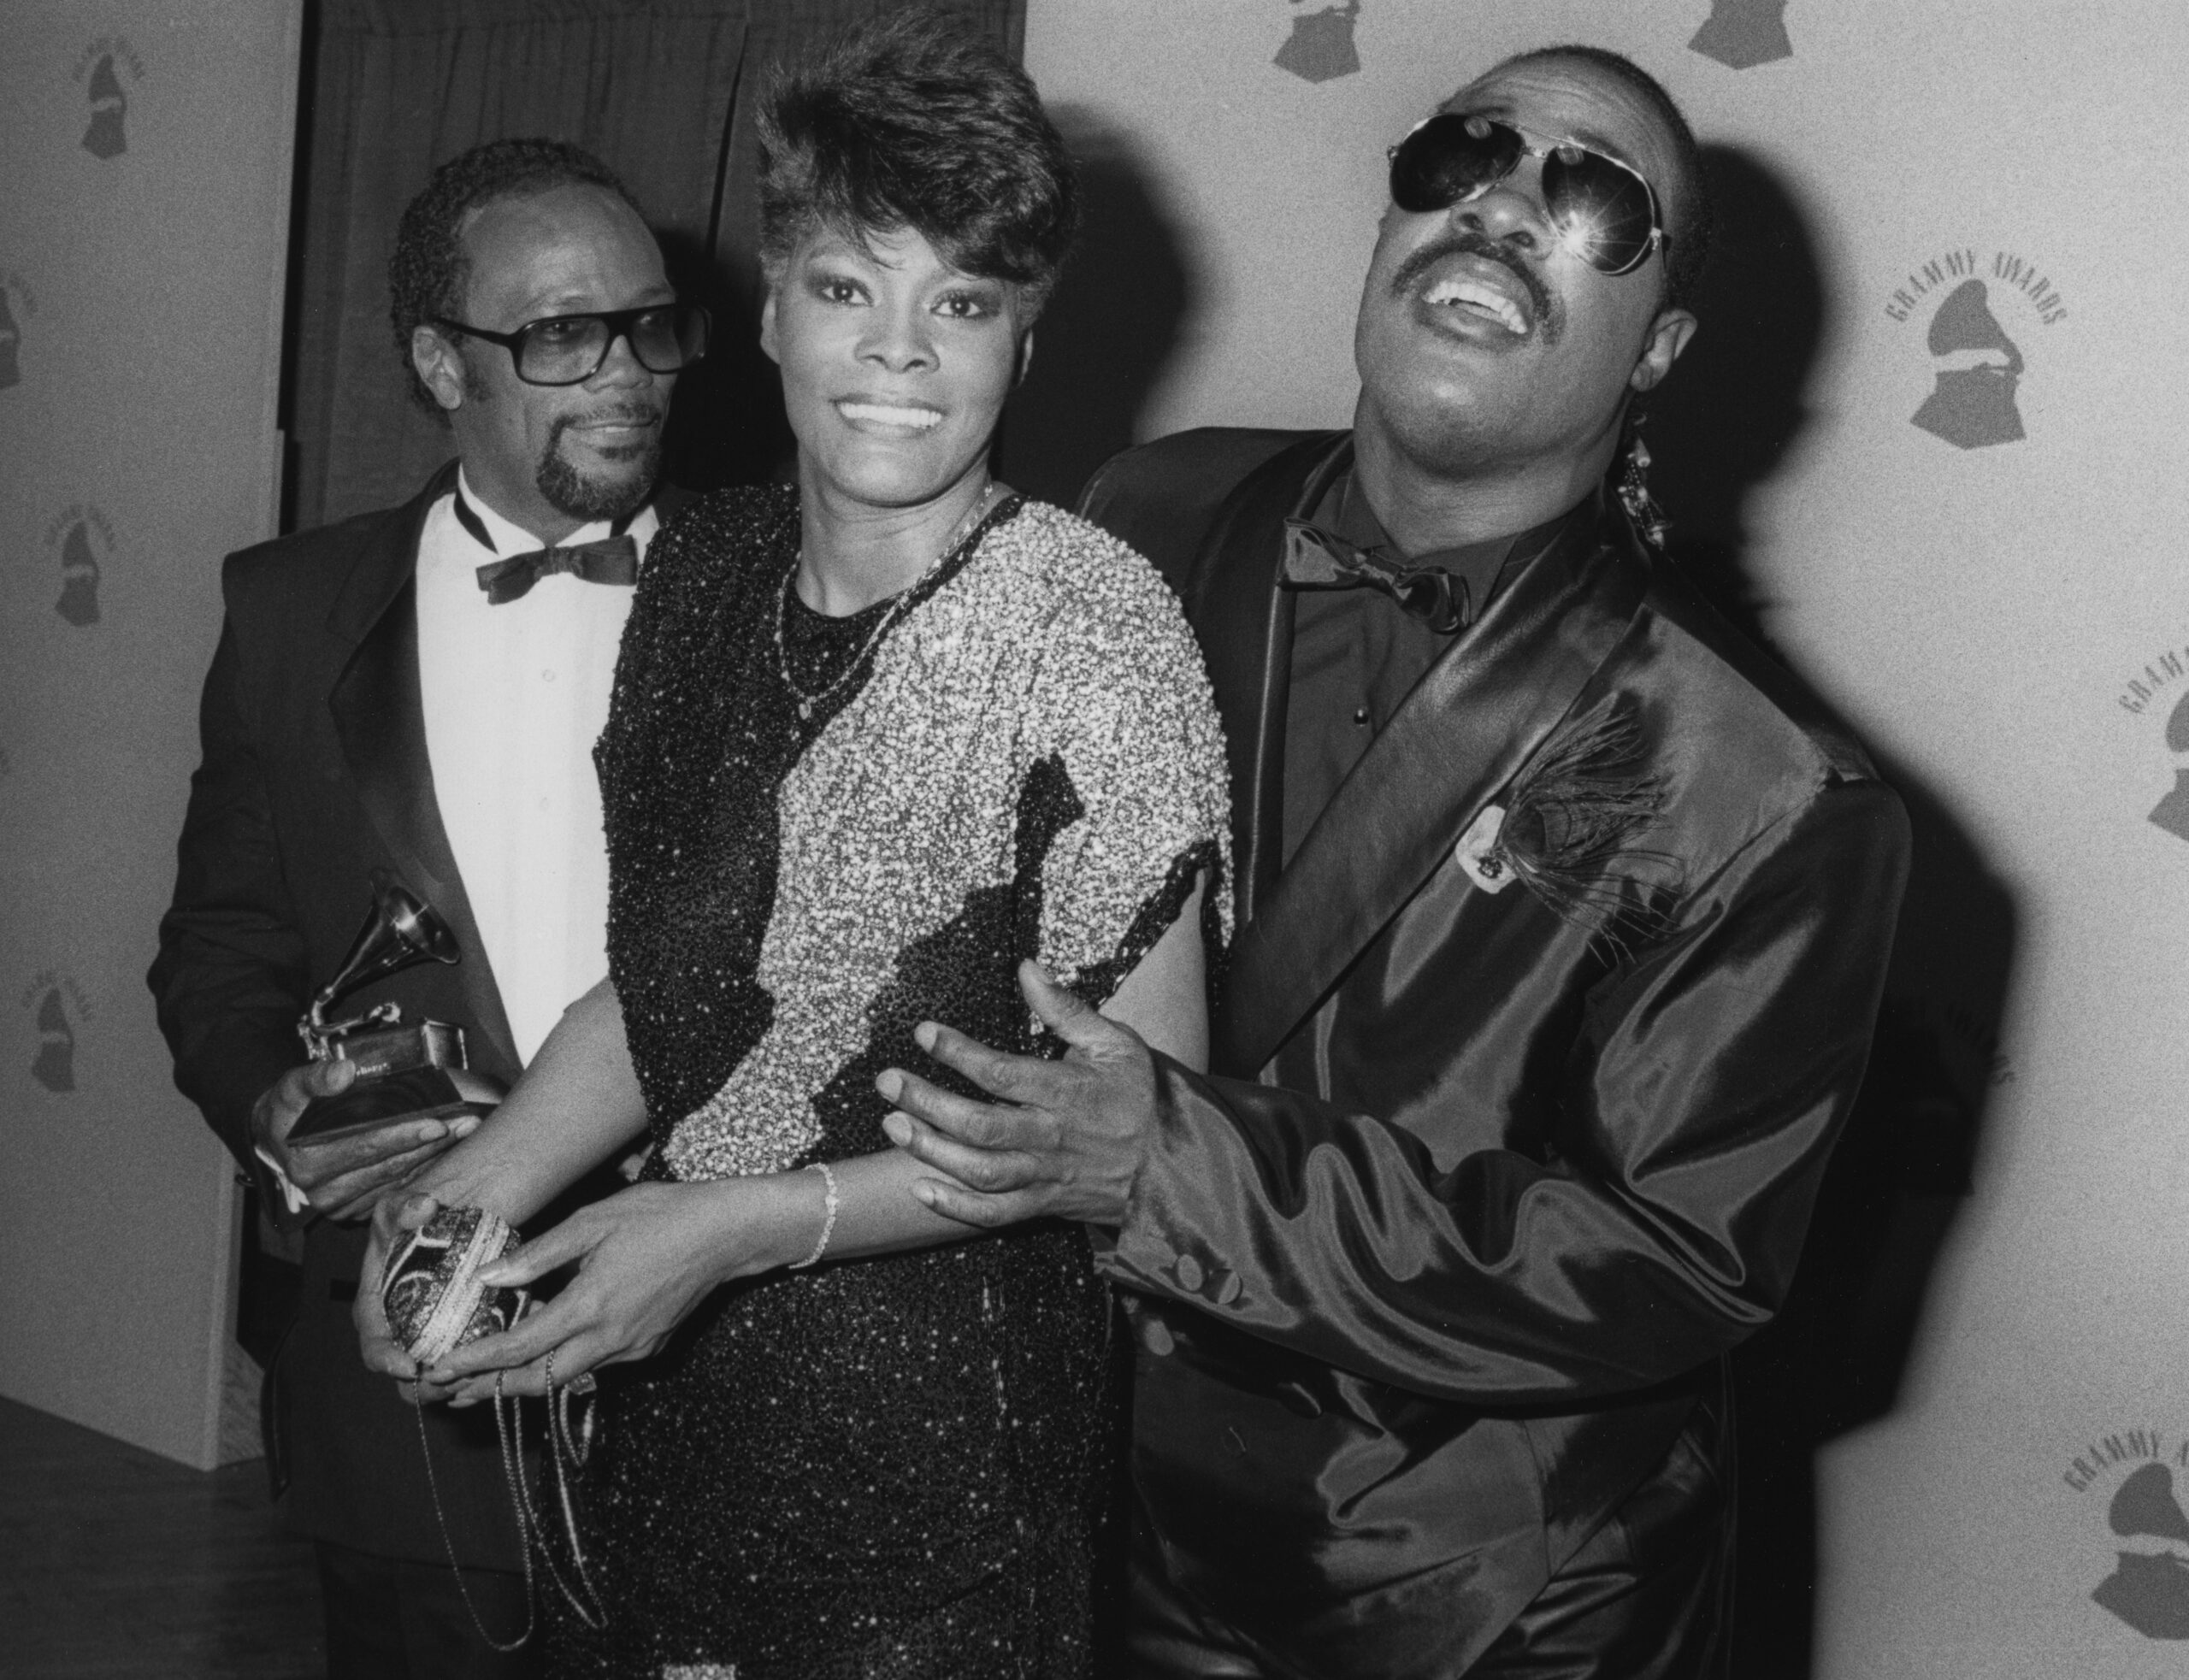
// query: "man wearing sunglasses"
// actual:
[[417, 691], [1563, 915]]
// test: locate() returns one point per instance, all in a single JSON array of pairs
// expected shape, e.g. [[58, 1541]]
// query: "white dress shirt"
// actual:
[[514, 697]]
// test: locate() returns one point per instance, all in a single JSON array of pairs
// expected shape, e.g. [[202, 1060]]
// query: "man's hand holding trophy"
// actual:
[[380, 1096]]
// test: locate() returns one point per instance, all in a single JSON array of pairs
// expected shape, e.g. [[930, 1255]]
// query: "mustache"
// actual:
[[635, 413], [1467, 242]]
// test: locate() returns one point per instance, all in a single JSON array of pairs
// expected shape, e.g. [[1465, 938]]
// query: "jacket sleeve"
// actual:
[[231, 977], [1704, 1088]]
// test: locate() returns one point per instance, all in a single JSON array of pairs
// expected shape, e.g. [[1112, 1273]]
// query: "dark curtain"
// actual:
[[663, 90]]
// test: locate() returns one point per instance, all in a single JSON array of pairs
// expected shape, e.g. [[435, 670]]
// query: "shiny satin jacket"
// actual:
[[1440, 1260]]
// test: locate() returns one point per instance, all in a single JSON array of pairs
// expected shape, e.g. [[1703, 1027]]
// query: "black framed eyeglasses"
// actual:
[[1603, 210], [570, 349]]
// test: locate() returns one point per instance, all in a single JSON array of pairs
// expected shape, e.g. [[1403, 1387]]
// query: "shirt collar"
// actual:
[[509, 537], [1343, 512]]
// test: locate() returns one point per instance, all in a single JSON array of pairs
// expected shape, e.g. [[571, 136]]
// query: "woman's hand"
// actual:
[[394, 1220], [645, 1257]]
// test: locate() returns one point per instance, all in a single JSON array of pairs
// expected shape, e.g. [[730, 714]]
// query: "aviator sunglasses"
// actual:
[[1603, 210], [570, 349]]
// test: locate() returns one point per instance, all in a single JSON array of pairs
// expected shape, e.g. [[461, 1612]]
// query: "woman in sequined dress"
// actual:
[[875, 742]]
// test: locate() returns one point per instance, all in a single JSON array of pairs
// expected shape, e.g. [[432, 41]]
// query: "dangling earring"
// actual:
[[1634, 489]]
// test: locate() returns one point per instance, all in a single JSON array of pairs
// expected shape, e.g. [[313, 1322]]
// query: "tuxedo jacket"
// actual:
[[315, 773], [1438, 1262]]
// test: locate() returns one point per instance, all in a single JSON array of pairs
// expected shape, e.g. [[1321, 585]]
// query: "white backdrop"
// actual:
[[2001, 616], [143, 241], [2005, 618]]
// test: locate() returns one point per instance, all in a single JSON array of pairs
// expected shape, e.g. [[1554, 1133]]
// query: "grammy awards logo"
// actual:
[[2147, 693], [16, 306], [1977, 367], [2148, 1586], [100, 67], [1741, 34], [2172, 812], [58, 1007], [78, 535], [1320, 46]]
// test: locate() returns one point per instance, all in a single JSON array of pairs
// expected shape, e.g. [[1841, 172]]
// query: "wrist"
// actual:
[[455, 1180], [831, 1205], [1140, 1168], [286, 1203], [746, 1226], [798, 1212]]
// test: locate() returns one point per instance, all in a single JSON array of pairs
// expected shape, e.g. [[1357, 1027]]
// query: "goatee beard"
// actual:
[[570, 492]]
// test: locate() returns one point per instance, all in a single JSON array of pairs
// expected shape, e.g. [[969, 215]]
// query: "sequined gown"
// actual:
[[890, 1466]]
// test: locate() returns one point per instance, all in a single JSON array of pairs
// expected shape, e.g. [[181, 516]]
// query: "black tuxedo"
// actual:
[[1440, 1263], [315, 773]]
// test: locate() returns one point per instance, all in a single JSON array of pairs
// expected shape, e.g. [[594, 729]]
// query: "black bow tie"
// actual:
[[1315, 559], [611, 560]]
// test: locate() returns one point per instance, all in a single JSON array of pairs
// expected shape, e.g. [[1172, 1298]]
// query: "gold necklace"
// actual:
[[806, 702]]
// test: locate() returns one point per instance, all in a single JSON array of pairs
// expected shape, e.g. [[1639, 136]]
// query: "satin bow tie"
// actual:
[[1315, 559], [611, 560]]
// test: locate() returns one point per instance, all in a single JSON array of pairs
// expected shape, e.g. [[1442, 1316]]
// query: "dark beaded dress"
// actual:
[[901, 1465]]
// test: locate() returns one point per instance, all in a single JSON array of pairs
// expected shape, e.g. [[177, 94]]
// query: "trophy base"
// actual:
[[400, 1048], [393, 1099]]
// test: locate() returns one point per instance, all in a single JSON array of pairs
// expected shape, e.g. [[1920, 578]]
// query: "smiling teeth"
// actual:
[[1485, 297], [886, 415]]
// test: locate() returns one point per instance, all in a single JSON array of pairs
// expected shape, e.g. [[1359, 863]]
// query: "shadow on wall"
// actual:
[[726, 425], [1103, 344], [1835, 1357]]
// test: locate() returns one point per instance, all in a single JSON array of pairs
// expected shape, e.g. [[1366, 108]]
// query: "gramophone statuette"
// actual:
[[406, 1069]]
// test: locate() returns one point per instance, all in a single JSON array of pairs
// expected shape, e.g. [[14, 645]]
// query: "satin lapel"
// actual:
[[1478, 714], [379, 719], [1244, 620]]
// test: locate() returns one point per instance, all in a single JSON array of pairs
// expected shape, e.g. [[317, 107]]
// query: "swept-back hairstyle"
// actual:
[[428, 274], [912, 121], [1690, 211]]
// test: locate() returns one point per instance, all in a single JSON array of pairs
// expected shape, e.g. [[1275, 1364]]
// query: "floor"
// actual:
[[116, 1562]]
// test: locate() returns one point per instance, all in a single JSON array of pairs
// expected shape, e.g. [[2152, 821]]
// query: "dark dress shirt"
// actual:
[[1357, 653]]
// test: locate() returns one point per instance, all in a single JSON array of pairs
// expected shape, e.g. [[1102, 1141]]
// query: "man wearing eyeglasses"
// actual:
[[418, 691], [1563, 919]]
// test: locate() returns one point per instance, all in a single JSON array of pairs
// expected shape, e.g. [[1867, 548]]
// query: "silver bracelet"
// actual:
[[828, 1214]]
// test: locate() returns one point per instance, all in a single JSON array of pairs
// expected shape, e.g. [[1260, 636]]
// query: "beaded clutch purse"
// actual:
[[431, 1289], [435, 1303]]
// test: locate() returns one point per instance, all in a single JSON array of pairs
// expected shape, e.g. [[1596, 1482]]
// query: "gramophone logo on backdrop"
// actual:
[[59, 1007], [1741, 34], [79, 535], [1320, 46], [1977, 366], [2147, 694], [16, 306], [100, 67], [2135, 1473]]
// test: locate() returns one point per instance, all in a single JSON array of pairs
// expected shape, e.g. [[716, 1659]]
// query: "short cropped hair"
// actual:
[[1689, 233], [912, 121], [430, 268]]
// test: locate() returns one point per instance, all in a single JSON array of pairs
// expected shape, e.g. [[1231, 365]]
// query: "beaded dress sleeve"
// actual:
[[1127, 763]]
